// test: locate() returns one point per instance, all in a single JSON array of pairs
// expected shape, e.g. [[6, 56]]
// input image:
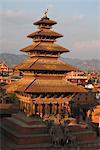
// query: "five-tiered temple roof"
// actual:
[[44, 74]]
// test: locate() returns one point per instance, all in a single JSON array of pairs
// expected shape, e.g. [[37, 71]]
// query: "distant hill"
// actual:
[[11, 59], [92, 64]]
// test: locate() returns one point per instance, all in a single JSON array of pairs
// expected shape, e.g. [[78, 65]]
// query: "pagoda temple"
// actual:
[[43, 87]]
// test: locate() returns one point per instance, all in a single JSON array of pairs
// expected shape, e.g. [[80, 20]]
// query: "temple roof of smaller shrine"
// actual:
[[44, 64], [40, 46], [45, 32]]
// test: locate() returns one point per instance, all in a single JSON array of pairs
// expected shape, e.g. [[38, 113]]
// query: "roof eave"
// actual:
[[32, 36]]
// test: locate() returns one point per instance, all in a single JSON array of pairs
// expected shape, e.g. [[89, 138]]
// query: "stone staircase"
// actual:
[[30, 133], [20, 132], [86, 139]]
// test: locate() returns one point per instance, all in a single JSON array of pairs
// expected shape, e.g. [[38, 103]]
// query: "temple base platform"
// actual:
[[20, 132]]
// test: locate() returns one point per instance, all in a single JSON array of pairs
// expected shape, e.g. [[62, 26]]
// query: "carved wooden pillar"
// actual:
[[50, 105], [21, 105], [27, 108], [43, 109], [30, 109], [57, 108], [47, 108], [33, 109], [39, 109], [53, 108], [36, 108], [24, 104]]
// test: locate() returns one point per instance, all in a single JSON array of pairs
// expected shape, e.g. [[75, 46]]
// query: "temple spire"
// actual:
[[44, 34], [45, 14]]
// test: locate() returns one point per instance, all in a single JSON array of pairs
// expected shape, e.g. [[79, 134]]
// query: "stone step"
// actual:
[[19, 134], [20, 122], [89, 143], [84, 135], [23, 132], [8, 144], [34, 147], [21, 127], [25, 139], [89, 147], [28, 120], [77, 128]]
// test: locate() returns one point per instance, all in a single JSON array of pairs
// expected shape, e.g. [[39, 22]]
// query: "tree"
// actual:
[[3, 94], [13, 98], [7, 98]]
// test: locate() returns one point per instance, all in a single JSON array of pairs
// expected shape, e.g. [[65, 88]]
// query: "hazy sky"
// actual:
[[78, 21]]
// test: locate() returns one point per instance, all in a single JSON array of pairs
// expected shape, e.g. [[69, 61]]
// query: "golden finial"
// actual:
[[45, 13]]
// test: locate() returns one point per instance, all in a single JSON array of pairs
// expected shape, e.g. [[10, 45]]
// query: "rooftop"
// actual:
[[40, 46], [45, 32], [45, 20], [44, 64]]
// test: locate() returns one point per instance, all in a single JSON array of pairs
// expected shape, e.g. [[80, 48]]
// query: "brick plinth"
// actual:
[[82, 133], [23, 133]]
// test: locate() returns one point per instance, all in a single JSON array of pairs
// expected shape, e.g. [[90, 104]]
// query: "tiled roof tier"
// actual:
[[40, 85], [45, 64], [6, 109], [26, 63], [45, 20], [40, 46], [45, 32], [12, 87], [24, 83]]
